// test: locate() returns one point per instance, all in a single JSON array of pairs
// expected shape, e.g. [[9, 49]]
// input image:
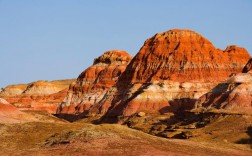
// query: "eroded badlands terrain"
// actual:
[[179, 95]]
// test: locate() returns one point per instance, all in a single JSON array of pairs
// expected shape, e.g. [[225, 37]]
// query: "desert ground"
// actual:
[[49, 135]]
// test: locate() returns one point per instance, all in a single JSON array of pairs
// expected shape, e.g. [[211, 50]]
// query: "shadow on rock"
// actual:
[[72, 117], [247, 140], [178, 105]]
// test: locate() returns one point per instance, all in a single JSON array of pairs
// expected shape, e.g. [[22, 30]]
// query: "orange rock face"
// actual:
[[169, 73], [233, 95], [39, 96], [183, 55], [93, 82]]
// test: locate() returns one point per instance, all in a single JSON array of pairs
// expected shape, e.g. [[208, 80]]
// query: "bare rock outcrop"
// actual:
[[233, 95], [13, 90], [171, 70], [92, 84], [39, 95], [10, 114]]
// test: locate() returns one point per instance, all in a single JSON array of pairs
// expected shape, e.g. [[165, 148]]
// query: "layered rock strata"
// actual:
[[169, 73], [233, 95], [39, 95], [10, 114], [92, 84]]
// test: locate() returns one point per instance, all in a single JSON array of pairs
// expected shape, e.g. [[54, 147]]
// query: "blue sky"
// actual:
[[58, 39]]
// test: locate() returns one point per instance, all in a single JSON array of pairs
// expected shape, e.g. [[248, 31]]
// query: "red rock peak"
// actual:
[[183, 55]]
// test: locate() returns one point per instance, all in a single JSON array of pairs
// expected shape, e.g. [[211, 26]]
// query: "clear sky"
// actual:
[[58, 39]]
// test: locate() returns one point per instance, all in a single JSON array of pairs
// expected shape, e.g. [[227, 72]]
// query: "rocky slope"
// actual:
[[13, 90], [233, 95], [39, 95], [10, 114], [93, 82], [169, 73], [183, 55]]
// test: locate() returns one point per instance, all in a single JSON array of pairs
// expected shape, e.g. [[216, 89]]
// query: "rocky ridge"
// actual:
[[183, 55], [40, 95], [169, 73], [92, 84], [150, 93]]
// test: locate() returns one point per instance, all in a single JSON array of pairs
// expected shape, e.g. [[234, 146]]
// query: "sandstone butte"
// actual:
[[92, 84], [169, 73], [233, 95], [38, 96]]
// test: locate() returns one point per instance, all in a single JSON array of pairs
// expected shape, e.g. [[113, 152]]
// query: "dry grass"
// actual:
[[58, 137]]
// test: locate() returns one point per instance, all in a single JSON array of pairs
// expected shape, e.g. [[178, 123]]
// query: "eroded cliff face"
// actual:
[[92, 83], [233, 95], [169, 73], [183, 55], [39, 95]]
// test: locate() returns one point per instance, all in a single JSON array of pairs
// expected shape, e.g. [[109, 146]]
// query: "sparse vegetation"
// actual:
[[64, 138]]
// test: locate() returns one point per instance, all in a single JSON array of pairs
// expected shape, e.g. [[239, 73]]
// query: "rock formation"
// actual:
[[7, 110], [232, 95], [39, 95], [93, 82], [10, 114], [169, 73], [13, 90]]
